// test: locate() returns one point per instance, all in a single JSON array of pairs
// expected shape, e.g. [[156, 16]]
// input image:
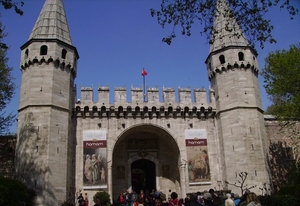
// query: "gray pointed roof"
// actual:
[[52, 23], [227, 30]]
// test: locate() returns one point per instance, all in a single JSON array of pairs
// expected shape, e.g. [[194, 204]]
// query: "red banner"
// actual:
[[94, 144], [198, 142]]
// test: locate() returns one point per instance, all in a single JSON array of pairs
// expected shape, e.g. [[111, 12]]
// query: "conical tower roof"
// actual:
[[52, 23], [227, 32]]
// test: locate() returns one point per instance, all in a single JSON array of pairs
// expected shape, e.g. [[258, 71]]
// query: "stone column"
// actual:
[[157, 177], [109, 179], [183, 179]]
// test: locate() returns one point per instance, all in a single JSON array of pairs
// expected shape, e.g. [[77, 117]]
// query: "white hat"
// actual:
[[207, 196]]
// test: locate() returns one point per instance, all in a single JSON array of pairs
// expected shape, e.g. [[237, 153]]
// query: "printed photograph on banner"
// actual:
[[197, 154], [95, 161]]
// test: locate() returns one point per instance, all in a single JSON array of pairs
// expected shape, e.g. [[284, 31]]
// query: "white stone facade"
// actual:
[[144, 143]]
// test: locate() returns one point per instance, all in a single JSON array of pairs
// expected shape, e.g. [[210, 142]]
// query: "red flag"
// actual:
[[144, 73]]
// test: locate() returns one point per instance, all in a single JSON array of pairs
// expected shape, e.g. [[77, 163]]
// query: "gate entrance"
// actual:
[[145, 157], [143, 175]]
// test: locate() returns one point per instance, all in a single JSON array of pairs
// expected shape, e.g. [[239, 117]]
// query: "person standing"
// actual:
[[121, 200], [142, 196], [80, 200], [133, 197], [86, 200], [128, 198], [98, 202], [229, 201], [174, 200], [252, 200], [193, 201], [208, 200], [158, 201]]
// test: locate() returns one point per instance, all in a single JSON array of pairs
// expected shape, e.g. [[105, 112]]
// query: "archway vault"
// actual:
[[146, 142]]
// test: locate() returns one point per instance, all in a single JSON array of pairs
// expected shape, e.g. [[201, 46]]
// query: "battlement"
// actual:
[[148, 102], [152, 95]]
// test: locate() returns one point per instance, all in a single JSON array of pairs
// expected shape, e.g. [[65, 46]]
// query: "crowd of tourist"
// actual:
[[206, 198]]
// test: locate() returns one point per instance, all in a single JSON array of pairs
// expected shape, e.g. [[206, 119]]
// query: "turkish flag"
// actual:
[[144, 73]]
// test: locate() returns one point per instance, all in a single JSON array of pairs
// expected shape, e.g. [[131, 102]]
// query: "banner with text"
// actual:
[[95, 162], [197, 154]]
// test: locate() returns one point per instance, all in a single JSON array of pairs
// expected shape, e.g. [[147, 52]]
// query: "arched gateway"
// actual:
[[185, 144], [145, 157]]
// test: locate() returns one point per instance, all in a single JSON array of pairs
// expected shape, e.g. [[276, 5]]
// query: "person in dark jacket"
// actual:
[[208, 200], [193, 201]]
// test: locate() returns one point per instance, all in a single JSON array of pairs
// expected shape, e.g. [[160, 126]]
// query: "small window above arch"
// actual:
[[44, 50], [63, 54], [222, 59], [241, 56]]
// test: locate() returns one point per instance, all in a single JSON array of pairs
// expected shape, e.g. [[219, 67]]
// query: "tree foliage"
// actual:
[[7, 86], [282, 82], [13, 192], [250, 14], [9, 4], [103, 197]]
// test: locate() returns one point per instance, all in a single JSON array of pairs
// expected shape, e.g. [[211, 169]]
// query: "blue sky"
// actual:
[[117, 38]]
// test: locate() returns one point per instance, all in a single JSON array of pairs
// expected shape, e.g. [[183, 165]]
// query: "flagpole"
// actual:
[[144, 88], [144, 73]]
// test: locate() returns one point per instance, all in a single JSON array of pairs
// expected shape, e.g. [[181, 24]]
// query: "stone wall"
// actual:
[[284, 144], [7, 155]]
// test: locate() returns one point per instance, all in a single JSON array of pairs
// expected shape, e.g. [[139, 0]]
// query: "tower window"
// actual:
[[222, 59], [44, 50], [63, 54], [241, 56], [26, 53]]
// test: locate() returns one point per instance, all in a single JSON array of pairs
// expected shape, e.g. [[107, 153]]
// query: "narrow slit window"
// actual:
[[26, 53], [63, 54], [222, 59]]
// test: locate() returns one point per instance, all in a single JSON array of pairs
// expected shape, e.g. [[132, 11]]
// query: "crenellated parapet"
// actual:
[[231, 66], [57, 63], [230, 59], [151, 107]]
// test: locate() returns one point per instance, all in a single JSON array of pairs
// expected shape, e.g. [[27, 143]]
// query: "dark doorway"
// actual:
[[143, 175]]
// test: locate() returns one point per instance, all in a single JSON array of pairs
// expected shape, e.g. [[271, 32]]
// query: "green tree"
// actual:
[[7, 86], [103, 197], [13, 192], [250, 14], [9, 4], [282, 82]]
